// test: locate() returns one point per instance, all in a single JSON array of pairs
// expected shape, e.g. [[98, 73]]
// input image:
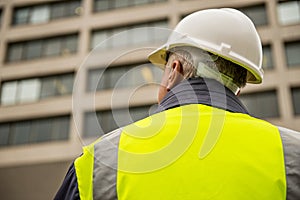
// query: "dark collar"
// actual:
[[202, 91]]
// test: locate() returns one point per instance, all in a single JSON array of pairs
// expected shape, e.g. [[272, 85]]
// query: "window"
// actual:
[[0, 17], [15, 52], [261, 104], [28, 90], [129, 36], [296, 100], [56, 86], [53, 47], [69, 45], [22, 91], [34, 131], [33, 50], [34, 89], [288, 12], [102, 5], [8, 92], [292, 50], [20, 133], [267, 57], [41, 48], [123, 77], [36, 14], [21, 16], [66, 9], [40, 14], [42, 130], [257, 14], [4, 134], [102, 122]]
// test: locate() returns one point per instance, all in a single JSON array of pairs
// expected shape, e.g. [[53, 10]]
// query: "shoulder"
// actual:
[[106, 148], [111, 137], [291, 144], [291, 147], [69, 187], [289, 136]]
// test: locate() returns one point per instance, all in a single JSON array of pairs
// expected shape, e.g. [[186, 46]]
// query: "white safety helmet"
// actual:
[[225, 32]]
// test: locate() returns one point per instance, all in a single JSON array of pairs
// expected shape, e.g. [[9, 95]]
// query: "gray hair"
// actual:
[[193, 60]]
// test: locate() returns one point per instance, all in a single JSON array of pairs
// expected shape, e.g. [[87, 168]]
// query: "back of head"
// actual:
[[199, 63]]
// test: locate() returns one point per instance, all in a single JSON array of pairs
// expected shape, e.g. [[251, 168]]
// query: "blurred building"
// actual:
[[44, 44]]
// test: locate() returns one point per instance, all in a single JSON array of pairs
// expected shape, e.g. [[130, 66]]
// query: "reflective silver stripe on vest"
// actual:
[[291, 146], [105, 166]]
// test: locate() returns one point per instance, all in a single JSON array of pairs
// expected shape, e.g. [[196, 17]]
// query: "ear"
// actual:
[[175, 75]]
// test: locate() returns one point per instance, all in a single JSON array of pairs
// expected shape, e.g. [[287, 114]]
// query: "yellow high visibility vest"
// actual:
[[198, 152], [194, 152]]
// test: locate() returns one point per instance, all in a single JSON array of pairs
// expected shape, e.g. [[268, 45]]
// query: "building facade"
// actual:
[[58, 94]]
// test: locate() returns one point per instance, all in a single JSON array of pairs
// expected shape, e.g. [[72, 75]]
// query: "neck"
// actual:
[[202, 91], [204, 71]]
